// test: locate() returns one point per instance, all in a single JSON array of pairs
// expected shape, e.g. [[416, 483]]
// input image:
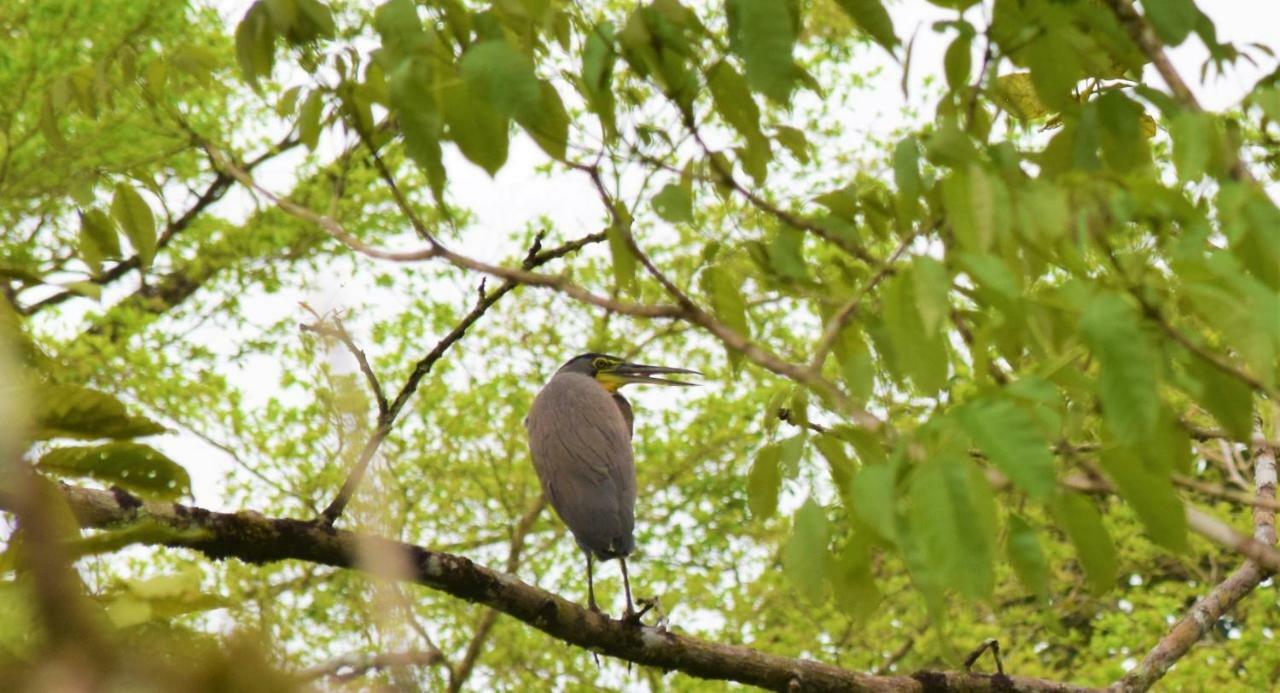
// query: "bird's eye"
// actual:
[[600, 364]]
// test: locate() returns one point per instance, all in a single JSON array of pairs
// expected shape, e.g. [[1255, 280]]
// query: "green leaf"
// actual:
[[733, 100], [922, 357], [255, 44], [1124, 145], [1093, 543], [410, 92], [548, 125], [792, 450], [1128, 363], [838, 462], [932, 287], [1016, 94], [1228, 398], [871, 17], [794, 141], [970, 197], [1151, 495], [309, 120], [476, 126], [136, 220], [624, 261], [1173, 20], [159, 598], [1055, 69], [1009, 437], [673, 203], [1025, 555], [806, 556], [871, 498], [764, 482], [856, 364], [958, 61], [786, 255], [952, 519], [98, 238], [598, 60], [762, 33], [852, 581], [134, 466], [724, 295], [906, 169], [72, 411], [502, 76]]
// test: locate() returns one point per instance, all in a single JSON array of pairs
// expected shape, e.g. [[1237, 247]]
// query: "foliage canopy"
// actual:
[[1003, 373]]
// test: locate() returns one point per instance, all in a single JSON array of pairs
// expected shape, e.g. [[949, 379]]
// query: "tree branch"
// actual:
[[1187, 631], [256, 539]]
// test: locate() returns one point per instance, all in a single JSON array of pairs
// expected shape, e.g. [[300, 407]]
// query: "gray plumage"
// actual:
[[580, 438]]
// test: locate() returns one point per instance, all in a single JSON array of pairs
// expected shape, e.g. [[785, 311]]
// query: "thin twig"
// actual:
[[424, 366], [336, 330]]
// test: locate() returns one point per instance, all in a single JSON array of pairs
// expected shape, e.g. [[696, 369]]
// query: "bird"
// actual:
[[580, 429]]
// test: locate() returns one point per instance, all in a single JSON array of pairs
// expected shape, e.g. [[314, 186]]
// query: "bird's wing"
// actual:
[[582, 451]]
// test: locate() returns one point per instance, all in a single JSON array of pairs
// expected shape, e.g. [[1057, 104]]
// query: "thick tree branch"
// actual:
[[1187, 631], [256, 539]]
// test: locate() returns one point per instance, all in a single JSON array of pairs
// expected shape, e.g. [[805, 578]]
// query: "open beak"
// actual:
[[641, 374]]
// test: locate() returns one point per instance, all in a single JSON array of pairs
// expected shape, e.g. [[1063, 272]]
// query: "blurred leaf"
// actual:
[[1173, 20], [958, 61], [1228, 398], [838, 461], [133, 466], [932, 287], [1016, 94], [871, 17], [1127, 379], [734, 102], [136, 221], [952, 519], [1151, 494], [871, 498], [922, 357], [1009, 437], [762, 33], [71, 411], [548, 124], [786, 254], [309, 120], [1093, 543], [764, 482], [852, 582], [1025, 555], [806, 556], [674, 204]]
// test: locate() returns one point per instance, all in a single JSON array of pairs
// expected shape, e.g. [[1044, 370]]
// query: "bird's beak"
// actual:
[[628, 373]]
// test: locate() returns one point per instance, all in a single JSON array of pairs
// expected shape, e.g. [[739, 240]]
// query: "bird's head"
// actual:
[[612, 372]]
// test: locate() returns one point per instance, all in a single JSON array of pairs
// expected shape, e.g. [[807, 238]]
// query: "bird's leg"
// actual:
[[631, 614], [591, 590]]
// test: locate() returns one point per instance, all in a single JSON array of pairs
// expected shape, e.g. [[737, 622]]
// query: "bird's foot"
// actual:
[[646, 605]]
